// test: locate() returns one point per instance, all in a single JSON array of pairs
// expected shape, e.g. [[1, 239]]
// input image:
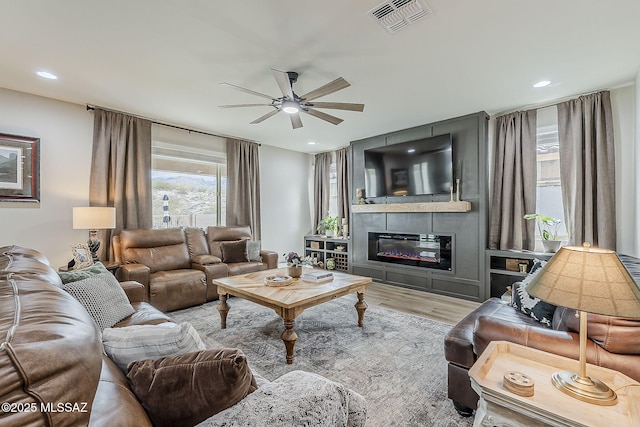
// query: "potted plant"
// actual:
[[548, 228], [328, 226], [295, 263]]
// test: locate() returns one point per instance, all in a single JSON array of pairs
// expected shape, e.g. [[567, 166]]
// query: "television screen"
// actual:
[[423, 166]]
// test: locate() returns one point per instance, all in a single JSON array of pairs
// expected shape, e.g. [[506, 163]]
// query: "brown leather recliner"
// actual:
[[159, 259], [612, 342], [177, 265]]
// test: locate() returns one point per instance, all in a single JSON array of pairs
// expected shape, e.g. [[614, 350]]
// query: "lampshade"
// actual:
[[587, 279], [94, 218]]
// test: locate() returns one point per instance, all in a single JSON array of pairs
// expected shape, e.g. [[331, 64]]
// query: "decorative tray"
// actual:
[[278, 280]]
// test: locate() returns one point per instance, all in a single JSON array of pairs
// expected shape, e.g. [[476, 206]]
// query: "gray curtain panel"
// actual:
[[121, 172], [243, 185], [321, 188], [343, 171], [587, 169], [514, 182]]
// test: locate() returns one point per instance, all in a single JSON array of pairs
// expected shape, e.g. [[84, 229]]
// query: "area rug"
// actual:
[[396, 361]]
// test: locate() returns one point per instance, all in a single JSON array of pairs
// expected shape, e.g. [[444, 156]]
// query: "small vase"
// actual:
[[294, 271], [551, 246]]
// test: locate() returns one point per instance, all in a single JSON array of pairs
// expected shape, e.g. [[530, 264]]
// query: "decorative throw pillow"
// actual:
[[253, 250], [103, 297], [140, 342], [187, 389], [534, 307], [234, 251], [83, 273]]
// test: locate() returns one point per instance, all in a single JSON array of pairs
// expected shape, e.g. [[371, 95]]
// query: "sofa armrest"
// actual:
[[489, 329], [205, 260], [135, 291], [134, 272], [562, 343], [270, 258]]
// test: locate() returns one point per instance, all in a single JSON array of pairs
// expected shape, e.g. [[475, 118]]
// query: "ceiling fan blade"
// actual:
[[244, 105], [324, 116], [296, 121], [265, 117], [252, 92], [330, 87], [338, 106], [283, 81]]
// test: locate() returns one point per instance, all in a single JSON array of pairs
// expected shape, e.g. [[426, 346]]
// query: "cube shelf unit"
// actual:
[[324, 248], [503, 267]]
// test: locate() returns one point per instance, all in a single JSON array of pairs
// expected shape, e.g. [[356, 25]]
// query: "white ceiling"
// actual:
[[165, 59]]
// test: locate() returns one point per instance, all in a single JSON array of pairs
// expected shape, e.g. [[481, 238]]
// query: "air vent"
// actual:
[[395, 15]]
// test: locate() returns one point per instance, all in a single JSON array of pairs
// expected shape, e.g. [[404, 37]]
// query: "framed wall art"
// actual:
[[19, 168]]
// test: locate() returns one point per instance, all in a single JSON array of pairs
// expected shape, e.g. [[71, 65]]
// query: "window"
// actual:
[[333, 187], [188, 185], [549, 193]]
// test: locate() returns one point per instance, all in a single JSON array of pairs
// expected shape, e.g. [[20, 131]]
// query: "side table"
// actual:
[[109, 265], [548, 406]]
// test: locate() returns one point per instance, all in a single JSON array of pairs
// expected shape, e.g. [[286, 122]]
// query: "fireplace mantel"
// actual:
[[413, 207]]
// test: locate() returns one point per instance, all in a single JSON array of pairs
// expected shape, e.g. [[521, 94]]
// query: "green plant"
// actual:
[[328, 223], [547, 226]]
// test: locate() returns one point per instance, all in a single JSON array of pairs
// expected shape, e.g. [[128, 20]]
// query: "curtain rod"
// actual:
[[552, 103], [155, 122]]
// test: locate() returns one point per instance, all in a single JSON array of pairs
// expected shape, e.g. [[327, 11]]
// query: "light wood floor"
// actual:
[[433, 306]]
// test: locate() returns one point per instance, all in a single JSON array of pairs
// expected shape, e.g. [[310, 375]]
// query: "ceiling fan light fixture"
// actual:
[[290, 107]]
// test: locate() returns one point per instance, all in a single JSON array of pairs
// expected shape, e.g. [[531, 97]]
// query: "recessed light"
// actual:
[[312, 143], [542, 83], [411, 150], [47, 75]]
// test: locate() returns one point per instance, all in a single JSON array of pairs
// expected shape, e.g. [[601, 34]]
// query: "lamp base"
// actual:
[[94, 247], [587, 389]]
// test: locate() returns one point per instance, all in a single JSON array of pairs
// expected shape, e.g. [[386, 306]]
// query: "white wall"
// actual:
[[284, 199], [622, 105], [65, 131], [635, 174]]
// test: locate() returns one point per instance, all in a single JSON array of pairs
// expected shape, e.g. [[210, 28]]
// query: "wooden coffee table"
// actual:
[[289, 301]]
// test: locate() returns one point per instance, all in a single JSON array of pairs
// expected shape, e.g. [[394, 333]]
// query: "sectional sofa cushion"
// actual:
[[253, 250], [83, 273], [189, 388], [534, 307], [140, 342], [234, 251], [102, 297]]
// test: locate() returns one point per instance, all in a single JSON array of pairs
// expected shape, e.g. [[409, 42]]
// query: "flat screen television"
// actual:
[[424, 166]]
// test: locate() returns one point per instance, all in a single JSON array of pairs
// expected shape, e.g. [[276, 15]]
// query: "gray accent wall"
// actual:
[[469, 229]]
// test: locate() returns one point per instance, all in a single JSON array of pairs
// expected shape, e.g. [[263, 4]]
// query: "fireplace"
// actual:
[[420, 250]]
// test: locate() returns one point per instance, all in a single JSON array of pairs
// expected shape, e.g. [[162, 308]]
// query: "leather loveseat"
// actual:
[[612, 342], [177, 265]]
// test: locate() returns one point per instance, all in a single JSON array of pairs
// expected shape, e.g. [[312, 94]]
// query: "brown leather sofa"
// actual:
[[177, 265], [51, 351], [612, 342]]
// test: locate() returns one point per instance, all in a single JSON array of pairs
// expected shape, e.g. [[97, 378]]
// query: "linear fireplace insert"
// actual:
[[420, 250]]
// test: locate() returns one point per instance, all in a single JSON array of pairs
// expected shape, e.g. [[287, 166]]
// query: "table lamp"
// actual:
[[94, 219], [589, 280]]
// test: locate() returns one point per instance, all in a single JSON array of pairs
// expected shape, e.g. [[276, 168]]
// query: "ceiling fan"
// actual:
[[292, 104]]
